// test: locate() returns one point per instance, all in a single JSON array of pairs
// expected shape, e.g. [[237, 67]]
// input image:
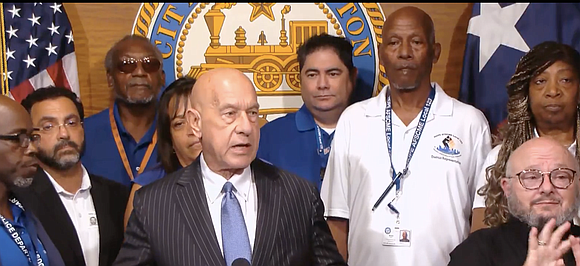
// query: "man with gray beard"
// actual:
[[543, 195], [82, 212], [23, 240], [122, 140]]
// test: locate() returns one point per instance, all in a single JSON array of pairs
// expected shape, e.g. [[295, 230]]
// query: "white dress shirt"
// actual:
[[245, 192], [81, 210]]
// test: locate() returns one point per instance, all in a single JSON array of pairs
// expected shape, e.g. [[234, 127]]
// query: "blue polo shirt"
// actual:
[[290, 143], [10, 252], [101, 156]]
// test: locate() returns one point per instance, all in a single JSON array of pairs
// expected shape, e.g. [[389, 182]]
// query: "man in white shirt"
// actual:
[[227, 207], [82, 213], [415, 133], [543, 101]]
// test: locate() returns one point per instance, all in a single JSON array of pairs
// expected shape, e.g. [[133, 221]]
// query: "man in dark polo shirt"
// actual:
[[121, 140], [300, 142]]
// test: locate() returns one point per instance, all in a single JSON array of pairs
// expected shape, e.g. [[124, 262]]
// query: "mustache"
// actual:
[[63, 143], [406, 66], [138, 82], [544, 198]]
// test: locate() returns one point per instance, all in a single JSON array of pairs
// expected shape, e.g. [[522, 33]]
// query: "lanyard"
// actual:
[[323, 150], [121, 148], [416, 136], [16, 236]]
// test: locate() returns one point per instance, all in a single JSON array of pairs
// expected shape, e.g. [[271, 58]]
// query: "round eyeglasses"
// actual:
[[560, 178]]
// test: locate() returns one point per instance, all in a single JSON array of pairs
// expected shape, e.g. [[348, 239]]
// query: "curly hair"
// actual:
[[520, 121]]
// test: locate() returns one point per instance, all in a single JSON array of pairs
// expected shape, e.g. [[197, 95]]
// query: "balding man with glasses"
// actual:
[[543, 196], [81, 212], [23, 240], [121, 140]]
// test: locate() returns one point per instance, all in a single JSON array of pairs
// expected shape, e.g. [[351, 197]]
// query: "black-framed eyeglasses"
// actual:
[[149, 64], [560, 178], [23, 139]]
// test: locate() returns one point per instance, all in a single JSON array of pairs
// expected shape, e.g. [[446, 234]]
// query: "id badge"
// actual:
[[93, 219], [397, 236]]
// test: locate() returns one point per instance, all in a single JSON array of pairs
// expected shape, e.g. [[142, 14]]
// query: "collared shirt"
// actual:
[[290, 143], [81, 211], [245, 192], [10, 253], [437, 192], [101, 156], [506, 244]]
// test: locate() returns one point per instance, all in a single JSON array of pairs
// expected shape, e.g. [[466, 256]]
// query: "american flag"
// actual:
[[39, 48], [498, 36]]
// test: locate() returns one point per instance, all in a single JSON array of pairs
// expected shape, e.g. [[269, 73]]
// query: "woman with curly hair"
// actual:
[[543, 101]]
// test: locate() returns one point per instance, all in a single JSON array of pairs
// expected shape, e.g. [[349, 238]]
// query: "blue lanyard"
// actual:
[[323, 150], [16, 237], [416, 137]]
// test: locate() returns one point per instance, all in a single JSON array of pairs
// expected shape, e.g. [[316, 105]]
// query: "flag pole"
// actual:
[[3, 65]]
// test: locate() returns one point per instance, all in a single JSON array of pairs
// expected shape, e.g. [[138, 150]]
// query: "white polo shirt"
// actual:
[[437, 193], [490, 160], [81, 211]]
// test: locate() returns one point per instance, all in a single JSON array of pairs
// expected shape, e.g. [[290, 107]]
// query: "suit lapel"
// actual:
[[100, 197], [191, 198], [268, 190], [51, 206]]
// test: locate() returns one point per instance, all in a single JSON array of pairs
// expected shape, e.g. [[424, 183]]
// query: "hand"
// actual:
[[547, 248], [575, 245]]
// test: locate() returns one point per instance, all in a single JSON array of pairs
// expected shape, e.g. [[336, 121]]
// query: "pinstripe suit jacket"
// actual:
[[171, 223]]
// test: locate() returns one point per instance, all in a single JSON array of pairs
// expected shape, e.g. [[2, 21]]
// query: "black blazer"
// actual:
[[171, 224], [110, 199]]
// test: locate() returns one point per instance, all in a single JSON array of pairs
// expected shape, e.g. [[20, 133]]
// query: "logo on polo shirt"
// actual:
[[261, 40], [449, 145]]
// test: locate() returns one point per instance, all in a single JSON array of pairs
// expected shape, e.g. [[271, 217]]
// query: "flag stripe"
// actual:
[[21, 91], [57, 75]]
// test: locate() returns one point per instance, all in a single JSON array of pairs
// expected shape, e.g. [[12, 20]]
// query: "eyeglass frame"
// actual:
[[124, 62], [57, 127], [27, 140], [542, 173]]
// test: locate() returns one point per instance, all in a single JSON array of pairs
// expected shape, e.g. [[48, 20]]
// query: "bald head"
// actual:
[[224, 116], [209, 86], [11, 111], [410, 13], [535, 152]]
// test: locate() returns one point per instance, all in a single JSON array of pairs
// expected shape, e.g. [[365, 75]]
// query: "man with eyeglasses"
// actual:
[[23, 240], [82, 212], [543, 195], [121, 141]]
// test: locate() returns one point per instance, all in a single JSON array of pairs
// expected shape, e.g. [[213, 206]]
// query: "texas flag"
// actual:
[[498, 35]]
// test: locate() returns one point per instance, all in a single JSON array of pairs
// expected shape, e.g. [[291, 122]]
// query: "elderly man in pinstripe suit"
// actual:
[[227, 207]]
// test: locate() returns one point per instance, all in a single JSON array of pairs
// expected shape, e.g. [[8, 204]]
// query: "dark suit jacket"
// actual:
[[110, 199], [171, 224], [54, 258]]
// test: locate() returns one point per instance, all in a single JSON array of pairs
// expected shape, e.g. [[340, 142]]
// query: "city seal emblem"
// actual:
[[261, 40]]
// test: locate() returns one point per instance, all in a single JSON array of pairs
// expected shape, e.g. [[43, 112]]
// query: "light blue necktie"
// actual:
[[235, 240]]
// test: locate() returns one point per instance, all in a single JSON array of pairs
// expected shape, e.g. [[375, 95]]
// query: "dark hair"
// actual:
[[340, 45], [179, 90], [52, 92], [521, 124], [111, 53]]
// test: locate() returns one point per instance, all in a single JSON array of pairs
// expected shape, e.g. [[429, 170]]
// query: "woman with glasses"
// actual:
[[177, 146]]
